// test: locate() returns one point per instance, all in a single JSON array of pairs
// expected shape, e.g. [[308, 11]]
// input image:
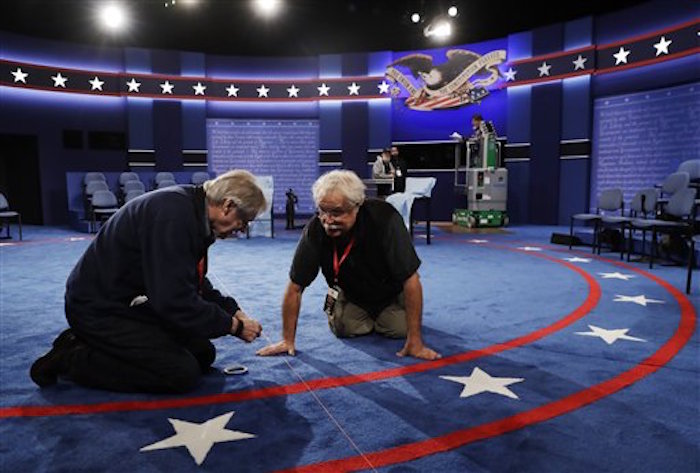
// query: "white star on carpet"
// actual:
[[610, 336], [383, 87], [662, 46], [323, 90], [510, 74], [19, 75], [576, 259], [232, 90], [199, 88], [96, 83], [59, 80], [624, 277], [354, 89], [262, 91], [544, 69], [580, 62], [621, 56], [199, 438], [530, 248], [293, 91], [7, 244], [641, 300], [481, 382], [478, 241], [133, 85], [167, 87]]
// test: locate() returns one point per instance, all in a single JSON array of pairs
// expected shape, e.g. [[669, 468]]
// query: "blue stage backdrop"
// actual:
[[641, 138], [284, 149]]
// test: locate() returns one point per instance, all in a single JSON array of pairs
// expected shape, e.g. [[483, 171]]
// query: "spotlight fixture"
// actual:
[[415, 18], [267, 8], [113, 17], [440, 29], [452, 11]]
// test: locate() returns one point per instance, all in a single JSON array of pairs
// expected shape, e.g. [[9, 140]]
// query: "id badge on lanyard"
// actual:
[[334, 291]]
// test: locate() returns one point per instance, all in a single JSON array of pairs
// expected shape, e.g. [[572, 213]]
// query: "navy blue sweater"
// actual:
[[152, 247]]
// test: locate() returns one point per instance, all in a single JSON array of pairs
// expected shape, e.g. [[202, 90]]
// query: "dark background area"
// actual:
[[304, 27]]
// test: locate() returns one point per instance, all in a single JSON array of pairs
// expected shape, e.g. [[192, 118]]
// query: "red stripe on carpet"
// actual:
[[413, 451], [588, 304]]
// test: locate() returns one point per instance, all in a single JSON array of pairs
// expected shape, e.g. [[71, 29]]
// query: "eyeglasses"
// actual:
[[337, 212]]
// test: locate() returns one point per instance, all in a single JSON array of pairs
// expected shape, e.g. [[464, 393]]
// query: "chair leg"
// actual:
[[19, 223], [653, 248], [691, 264], [622, 242], [571, 231], [595, 236]]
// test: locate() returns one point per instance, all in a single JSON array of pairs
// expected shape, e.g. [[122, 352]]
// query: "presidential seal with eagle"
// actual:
[[459, 81]]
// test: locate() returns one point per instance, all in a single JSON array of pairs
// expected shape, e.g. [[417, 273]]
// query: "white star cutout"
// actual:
[[199, 88], [167, 87], [133, 85], [481, 382], [624, 277], [323, 90], [96, 83], [354, 89], [641, 300], [610, 336], [662, 46], [580, 62], [383, 87], [19, 75], [576, 259], [262, 91], [510, 74], [621, 56], [293, 91], [544, 69], [530, 248], [478, 241], [232, 90], [59, 80], [199, 438]]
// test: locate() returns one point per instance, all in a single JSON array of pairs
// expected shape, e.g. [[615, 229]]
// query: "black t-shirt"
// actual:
[[380, 261]]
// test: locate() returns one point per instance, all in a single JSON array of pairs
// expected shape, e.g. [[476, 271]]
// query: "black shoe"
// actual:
[[46, 369]]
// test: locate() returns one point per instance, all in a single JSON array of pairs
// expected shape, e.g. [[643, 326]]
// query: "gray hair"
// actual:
[[241, 188], [344, 182]]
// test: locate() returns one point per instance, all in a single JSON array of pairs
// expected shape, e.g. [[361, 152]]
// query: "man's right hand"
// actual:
[[278, 348], [251, 328]]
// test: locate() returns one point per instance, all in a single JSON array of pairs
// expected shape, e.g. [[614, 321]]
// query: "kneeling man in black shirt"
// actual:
[[367, 257]]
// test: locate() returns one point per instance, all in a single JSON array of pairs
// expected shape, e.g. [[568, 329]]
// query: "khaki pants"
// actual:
[[350, 320]]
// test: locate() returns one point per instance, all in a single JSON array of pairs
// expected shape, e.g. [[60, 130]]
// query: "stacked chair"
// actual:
[[199, 177], [164, 179]]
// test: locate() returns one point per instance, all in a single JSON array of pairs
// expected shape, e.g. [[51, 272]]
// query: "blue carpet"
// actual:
[[508, 307]]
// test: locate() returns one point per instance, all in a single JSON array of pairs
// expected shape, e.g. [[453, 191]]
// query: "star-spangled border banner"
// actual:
[[155, 86], [670, 43]]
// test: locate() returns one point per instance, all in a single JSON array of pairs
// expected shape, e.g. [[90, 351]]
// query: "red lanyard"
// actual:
[[336, 263]]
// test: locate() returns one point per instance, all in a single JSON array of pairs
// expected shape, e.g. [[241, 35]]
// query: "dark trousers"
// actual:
[[135, 353]]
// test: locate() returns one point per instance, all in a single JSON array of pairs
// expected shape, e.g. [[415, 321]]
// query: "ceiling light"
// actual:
[[113, 17], [267, 8], [452, 11], [415, 18]]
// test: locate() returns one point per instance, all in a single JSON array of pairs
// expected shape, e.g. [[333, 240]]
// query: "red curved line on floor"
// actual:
[[415, 450], [588, 304]]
